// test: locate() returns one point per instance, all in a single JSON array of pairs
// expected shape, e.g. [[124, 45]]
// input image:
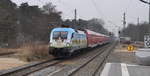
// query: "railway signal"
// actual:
[[110, 34], [119, 32]]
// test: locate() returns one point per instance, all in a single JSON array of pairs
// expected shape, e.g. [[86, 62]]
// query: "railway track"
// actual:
[[7, 53], [26, 70], [76, 68], [74, 71]]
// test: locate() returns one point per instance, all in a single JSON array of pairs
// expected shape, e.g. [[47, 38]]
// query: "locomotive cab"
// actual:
[[61, 37], [65, 41], [60, 41]]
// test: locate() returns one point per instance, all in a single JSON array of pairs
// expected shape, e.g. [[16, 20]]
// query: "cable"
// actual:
[[129, 5], [147, 2], [68, 7], [100, 12], [97, 9]]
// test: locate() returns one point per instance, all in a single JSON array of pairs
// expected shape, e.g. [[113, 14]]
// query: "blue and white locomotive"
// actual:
[[64, 41]]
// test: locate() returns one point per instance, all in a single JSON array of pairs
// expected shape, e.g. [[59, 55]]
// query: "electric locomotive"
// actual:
[[65, 41]]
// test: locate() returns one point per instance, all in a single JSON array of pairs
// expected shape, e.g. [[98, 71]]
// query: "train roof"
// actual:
[[68, 29], [63, 29], [94, 33], [80, 32]]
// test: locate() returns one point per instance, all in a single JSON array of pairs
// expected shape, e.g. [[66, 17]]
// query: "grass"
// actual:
[[6, 50], [34, 52], [29, 52]]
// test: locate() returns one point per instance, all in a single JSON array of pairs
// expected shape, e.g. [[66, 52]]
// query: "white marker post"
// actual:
[[147, 41], [143, 54]]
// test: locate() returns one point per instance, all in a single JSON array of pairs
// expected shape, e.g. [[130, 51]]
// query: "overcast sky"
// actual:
[[111, 11]]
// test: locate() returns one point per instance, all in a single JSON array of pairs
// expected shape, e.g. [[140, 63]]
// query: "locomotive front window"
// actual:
[[64, 35], [56, 35], [60, 34]]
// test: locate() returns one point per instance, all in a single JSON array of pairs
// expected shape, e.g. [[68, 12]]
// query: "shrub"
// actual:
[[34, 51]]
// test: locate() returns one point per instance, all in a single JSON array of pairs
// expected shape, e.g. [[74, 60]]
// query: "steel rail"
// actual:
[[7, 53], [104, 60], [84, 64], [24, 71]]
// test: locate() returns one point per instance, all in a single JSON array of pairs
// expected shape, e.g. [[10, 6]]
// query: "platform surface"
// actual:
[[123, 69]]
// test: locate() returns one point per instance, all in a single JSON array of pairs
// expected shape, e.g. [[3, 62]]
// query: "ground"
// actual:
[[121, 62], [117, 57], [23, 55], [122, 55], [7, 63]]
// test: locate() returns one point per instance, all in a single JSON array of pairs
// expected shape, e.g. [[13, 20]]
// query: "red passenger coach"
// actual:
[[95, 39]]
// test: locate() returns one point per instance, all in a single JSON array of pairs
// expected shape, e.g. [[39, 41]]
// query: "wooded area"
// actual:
[[23, 24], [136, 31]]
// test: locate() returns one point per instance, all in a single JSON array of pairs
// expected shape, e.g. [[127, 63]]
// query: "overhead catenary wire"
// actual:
[[71, 10], [97, 9], [100, 12], [129, 5]]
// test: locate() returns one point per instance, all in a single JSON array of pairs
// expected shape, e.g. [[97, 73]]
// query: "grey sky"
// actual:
[[111, 11]]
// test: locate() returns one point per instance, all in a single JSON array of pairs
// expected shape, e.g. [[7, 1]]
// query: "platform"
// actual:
[[123, 69]]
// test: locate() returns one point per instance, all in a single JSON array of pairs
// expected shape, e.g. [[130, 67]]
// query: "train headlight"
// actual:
[[50, 44], [67, 44]]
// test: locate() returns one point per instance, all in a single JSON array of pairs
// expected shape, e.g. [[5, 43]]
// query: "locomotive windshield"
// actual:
[[60, 34]]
